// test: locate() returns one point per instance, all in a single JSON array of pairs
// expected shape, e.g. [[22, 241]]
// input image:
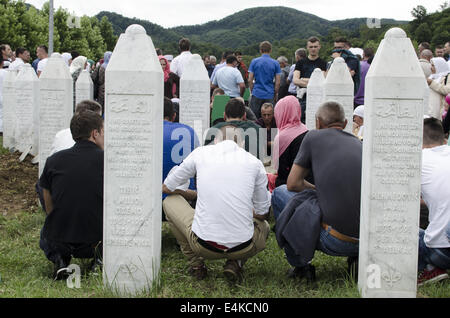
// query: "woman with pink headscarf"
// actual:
[[171, 80], [291, 132]]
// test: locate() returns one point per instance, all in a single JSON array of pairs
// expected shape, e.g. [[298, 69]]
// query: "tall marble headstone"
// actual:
[[56, 104], [396, 93], [133, 164], [9, 109], [315, 96], [195, 96], [27, 110], [84, 87], [339, 87]]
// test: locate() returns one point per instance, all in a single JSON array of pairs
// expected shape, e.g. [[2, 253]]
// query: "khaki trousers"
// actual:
[[180, 216]]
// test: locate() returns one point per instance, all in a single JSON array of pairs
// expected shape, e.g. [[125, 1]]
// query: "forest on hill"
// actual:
[[287, 29]]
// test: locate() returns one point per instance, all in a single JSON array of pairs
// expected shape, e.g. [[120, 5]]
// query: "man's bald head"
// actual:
[[330, 114], [426, 54]]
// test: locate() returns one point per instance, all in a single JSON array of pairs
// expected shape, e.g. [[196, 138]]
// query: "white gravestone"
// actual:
[[315, 96], [56, 104], [195, 96], [27, 110], [339, 87], [84, 87], [9, 109], [133, 165], [396, 94]]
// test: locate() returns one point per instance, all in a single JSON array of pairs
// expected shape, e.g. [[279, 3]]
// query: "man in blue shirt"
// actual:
[[229, 78], [178, 142], [264, 71]]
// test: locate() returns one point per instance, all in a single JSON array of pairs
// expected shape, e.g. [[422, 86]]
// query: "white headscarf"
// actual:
[[78, 63], [66, 57], [359, 111], [441, 66]]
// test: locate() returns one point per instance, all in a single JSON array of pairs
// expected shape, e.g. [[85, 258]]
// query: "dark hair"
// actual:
[[231, 59], [235, 108], [88, 105], [227, 54], [425, 45], [184, 44], [341, 39], [433, 133], [44, 47], [158, 51], [313, 39], [265, 47], [74, 54], [238, 53], [168, 108], [82, 124], [20, 50], [368, 52], [301, 53]]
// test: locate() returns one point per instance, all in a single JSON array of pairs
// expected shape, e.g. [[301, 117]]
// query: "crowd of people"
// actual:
[[313, 190]]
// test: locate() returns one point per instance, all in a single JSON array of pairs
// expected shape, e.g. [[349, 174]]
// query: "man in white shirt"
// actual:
[[42, 54], [232, 201], [229, 78], [7, 55], [22, 57], [434, 246], [178, 63]]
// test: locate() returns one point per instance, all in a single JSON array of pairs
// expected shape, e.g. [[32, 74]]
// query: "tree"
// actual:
[[423, 33], [419, 12], [107, 33]]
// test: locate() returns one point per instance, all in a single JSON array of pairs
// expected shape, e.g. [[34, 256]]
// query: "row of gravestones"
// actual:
[[36, 109], [396, 93]]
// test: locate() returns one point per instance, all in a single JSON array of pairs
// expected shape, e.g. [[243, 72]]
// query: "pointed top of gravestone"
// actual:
[[395, 33], [317, 78], [143, 51], [135, 29], [396, 56], [84, 78], [339, 73], [195, 69], [27, 73], [56, 68]]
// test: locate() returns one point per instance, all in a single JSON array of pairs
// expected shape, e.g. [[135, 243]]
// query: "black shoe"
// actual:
[[233, 271], [60, 268], [308, 272], [352, 267]]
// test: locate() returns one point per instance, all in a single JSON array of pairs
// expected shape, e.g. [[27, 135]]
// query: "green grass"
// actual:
[[25, 272]]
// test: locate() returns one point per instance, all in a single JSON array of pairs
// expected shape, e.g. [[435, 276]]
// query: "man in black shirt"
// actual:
[[305, 67], [335, 158], [72, 183]]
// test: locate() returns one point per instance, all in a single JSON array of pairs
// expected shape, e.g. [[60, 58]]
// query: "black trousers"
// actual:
[[55, 250]]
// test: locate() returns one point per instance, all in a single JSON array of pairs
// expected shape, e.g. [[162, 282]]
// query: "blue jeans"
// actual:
[[439, 257], [327, 244], [280, 198]]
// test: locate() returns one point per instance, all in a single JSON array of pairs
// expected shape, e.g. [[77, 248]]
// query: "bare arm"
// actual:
[[296, 181], [250, 81], [300, 82], [189, 195], [48, 201], [242, 88], [277, 86]]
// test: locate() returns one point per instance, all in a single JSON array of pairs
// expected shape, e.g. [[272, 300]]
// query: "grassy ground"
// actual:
[[25, 272]]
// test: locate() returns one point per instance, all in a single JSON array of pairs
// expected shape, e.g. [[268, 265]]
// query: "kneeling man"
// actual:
[[72, 183], [228, 221], [335, 158]]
